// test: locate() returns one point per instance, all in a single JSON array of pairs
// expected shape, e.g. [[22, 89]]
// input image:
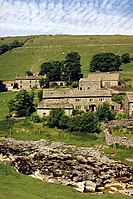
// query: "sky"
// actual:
[[75, 17]]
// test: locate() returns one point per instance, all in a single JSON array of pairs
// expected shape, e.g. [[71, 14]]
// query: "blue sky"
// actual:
[[77, 17]]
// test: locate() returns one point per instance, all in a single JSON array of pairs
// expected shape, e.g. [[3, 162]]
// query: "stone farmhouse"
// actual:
[[128, 103], [28, 82], [98, 81], [74, 99]]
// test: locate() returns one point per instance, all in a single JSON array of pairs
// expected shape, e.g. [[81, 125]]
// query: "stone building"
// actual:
[[74, 99], [128, 103], [96, 81], [9, 84], [28, 82]]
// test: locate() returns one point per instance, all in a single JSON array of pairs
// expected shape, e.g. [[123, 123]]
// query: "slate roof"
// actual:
[[75, 94], [29, 78], [105, 76]]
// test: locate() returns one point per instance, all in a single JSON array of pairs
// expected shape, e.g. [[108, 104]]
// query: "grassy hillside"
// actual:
[[39, 49]]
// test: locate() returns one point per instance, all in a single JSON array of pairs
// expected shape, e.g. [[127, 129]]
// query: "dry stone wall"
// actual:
[[111, 139]]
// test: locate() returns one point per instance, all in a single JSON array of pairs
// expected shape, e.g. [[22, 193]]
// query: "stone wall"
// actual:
[[112, 140]]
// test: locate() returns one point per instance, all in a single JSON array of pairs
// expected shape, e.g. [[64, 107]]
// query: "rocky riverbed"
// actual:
[[84, 168]]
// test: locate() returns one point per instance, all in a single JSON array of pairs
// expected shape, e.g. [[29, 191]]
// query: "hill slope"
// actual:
[[39, 49]]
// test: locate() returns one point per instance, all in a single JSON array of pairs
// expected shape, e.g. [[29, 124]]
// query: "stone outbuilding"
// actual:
[[128, 103], [28, 82], [96, 81]]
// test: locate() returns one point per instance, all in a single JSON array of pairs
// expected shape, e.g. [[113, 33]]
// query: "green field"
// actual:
[[39, 49], [4, 99]]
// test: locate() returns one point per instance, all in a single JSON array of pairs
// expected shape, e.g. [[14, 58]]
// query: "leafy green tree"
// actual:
[[40, 95], [125, 58], [22, 104], [105, 62], [2, 87], [71, 70], [28, 73], [118, 98], [15, 44], [44, 83], [104, 113], [85, 123], [4, 48], [52, 70], [55, 117]]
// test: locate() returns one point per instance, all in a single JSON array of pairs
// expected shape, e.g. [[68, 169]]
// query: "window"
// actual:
[[78, 107], [20, 86], [91, 100], [88, 88], [20, 82], [36, 81], [101, 99], [30, 81], [78, 100]]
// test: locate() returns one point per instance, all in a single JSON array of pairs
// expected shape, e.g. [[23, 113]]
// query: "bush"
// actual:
[[35, 118]]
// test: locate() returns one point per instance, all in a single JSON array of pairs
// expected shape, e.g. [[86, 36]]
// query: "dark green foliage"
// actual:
[[85, 123], [22, 104], [105, 62], [35, 118], [44, 83], [52, 70], [15, 44], [117, 98], [2, 87], [55, 117], [40, 95], [4, 47], [67, 70], [104, 113], [76, 112], [28, 73], [125, 58], [71, 69]]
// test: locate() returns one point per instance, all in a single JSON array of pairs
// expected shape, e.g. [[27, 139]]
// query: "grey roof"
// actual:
[[76, 94], [48, 104], [29, 78], [105, 76]]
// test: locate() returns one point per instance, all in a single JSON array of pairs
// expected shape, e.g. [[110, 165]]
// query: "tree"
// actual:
[[28, 73], [44, 83], [84, 123], [15, 44], [105, 62], [55, 117], [40, 95], [125, 58], [71, 70], [2, 87], [3, 48], [104, 113], [22, 104], [52, 70]]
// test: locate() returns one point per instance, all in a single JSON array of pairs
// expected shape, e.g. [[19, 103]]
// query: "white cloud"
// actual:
[[19, 17]]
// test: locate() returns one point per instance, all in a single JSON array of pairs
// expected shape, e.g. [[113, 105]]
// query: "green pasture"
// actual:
[[39, 49], [4, 99]]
